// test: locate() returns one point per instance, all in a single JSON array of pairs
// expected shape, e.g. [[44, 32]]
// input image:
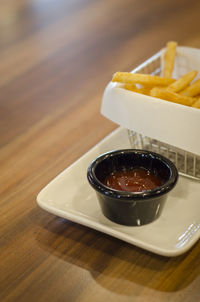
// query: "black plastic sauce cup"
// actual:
[[132, 208]]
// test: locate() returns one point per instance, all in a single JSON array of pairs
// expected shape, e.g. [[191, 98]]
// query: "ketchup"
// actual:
[[136, 180]]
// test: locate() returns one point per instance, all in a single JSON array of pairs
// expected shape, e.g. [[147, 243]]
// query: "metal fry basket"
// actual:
[[188, 164]]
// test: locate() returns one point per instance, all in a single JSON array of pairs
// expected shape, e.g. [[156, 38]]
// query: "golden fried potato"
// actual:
[[192, 90], [169, 59], [183, 82], [197, 104], [164, 87], [171, 96], [137, 78], [133, 87]]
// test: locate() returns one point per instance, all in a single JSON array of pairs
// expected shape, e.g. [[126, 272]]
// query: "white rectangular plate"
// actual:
[[70, 196]]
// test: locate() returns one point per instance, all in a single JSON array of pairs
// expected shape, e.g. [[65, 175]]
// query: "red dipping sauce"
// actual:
[[136, 180]]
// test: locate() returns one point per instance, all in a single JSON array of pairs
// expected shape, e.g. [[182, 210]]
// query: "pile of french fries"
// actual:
[[179, 91]]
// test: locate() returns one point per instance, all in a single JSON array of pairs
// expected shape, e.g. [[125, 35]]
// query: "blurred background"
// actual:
[[56, 58]]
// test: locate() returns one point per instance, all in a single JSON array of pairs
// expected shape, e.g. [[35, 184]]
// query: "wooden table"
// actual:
[[55, 59]]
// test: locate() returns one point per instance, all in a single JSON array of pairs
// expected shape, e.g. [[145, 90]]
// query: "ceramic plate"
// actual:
[[70, 196]]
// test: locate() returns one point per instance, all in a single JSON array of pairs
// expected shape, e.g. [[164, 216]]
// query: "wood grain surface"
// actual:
[[56, 57]]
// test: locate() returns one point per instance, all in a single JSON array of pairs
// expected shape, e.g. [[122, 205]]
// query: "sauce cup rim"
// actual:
[[126, 195]]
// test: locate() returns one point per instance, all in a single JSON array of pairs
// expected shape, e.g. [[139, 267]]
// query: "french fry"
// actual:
[[133, 87], [164, 87], [145, 90], [169, 59], [183, 82], [192, 90], [137, 78], [197, 104], [171, 96]]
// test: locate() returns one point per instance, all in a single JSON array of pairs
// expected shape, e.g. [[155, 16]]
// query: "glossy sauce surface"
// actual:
[[136, 180]]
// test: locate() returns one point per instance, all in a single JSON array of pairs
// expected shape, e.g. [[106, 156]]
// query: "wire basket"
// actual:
[[188, 164]]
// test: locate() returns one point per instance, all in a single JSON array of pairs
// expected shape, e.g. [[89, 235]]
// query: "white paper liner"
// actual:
[[168, 122]]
